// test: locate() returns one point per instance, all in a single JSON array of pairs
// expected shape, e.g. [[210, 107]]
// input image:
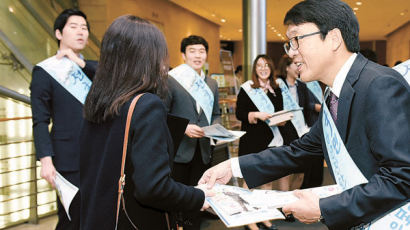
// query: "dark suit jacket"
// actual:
[[149, 189], [50, 100], [259, 135], [373, 122], [180, 103]]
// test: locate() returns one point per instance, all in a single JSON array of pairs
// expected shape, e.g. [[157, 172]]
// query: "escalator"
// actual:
[[26, 38]]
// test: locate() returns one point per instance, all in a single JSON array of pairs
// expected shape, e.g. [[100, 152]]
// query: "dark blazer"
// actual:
[[373, 122], [311, 114], [149, 189], [180, 103], [259, 135], [50, 100]]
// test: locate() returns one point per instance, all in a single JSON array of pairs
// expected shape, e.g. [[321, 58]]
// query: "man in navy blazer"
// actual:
[[193, 155], [372, 119], [59, 149]]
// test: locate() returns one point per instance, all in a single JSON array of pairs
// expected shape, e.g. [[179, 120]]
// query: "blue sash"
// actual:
[[263, 104], [348, 175], [314, 87], [404, 70], [289, 103], [196, 87], [69, 75]]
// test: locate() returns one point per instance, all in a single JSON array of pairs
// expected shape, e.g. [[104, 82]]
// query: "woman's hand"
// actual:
[[254, 116]]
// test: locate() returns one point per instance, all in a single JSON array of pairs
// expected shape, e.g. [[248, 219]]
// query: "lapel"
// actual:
[[347, 95]]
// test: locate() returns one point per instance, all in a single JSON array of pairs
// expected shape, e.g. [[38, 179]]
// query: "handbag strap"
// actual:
[[121, 181]]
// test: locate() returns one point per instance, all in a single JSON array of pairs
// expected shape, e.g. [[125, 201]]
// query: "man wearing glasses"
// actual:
[[363, 128]]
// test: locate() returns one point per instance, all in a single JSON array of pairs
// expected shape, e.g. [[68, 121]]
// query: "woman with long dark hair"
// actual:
[[134, 60]]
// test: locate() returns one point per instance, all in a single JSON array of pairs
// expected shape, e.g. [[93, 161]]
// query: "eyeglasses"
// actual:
[[294, 42]]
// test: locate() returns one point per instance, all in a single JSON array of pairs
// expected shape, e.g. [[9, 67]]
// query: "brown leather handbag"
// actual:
[[121, 181]]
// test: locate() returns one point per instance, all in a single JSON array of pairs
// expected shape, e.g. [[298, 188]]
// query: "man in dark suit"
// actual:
[[194, 153], [371, 113], [58, 150]]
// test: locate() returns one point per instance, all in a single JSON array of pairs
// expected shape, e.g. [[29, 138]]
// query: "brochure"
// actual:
[[237, 206]]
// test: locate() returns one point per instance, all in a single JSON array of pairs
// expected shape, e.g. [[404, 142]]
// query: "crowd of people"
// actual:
[[167, 157]]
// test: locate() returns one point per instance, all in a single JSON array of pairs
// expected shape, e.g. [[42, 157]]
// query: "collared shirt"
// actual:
[[341, 75], [294, 91], [198, 108], [336, 89]]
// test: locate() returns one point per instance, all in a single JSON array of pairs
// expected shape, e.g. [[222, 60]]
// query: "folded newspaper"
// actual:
[[66, 191], [237, 206], [220, 133]]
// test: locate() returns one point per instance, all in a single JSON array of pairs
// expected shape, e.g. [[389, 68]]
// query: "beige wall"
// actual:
[[174, 21], [398, 45]]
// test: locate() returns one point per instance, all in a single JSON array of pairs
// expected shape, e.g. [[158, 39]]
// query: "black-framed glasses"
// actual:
[[294, 42]]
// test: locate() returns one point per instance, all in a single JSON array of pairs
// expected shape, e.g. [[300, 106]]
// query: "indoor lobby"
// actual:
[[26, 37]]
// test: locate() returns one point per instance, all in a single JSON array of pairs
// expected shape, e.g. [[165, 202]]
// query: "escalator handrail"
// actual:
[[20, 57], [6, 92]]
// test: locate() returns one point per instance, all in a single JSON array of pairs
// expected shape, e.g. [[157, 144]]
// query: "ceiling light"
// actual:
[[274, 30], [11, 9], [355, 8], [240, 30], [359, 3], [223, 20], [221, 36], [402, 14], [213, 15]]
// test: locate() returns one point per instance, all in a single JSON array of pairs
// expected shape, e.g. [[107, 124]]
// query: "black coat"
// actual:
[[259, 135], [149, 192], [50, 100]]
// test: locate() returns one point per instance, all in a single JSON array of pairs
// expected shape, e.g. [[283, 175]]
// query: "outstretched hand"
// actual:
[[220, 174], [306, 209]]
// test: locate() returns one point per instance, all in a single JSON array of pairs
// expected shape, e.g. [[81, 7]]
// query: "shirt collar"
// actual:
[[202, 75], [341, 75], [296, 83], [79, 55]]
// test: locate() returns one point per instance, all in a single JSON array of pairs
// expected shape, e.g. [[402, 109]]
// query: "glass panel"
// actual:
[[13, 75], [21, 28]]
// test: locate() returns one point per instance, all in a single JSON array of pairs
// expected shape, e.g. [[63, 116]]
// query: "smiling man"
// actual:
[[194, 96], [53, 97], [363, 135]]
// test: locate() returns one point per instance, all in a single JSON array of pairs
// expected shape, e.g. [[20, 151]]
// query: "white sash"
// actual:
[[404, 69], [314, 87], [69, 75], [196, 87], [348, 175], [263, 104], [289, 103]]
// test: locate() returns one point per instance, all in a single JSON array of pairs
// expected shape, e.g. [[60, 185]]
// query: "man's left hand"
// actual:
[[69, 53], [306, 209]]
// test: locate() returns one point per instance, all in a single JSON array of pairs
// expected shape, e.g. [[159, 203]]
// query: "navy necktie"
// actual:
[[333, 102]]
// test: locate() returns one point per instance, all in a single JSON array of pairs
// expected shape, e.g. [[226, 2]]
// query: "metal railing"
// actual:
[[23, 191]]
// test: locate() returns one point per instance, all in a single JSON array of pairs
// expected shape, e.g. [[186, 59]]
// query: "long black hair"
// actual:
[[134, 59]]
